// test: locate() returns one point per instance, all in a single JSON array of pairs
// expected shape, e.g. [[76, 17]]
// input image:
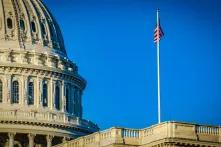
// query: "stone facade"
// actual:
[[168, 134], [40, 88]]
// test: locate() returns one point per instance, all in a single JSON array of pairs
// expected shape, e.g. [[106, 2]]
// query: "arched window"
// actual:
[[1, 96], [57, 97], [22, 25], [33, 26], [45, 94], [30, 93], [67, 100], [9, 23], [43, 29], [15, 92]]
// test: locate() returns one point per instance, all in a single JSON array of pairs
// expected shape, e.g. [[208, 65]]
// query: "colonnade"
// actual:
[[47, 140]]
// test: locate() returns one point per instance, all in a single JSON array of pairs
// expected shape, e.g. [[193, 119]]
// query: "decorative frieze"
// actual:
[[41, 72], [26, 58]]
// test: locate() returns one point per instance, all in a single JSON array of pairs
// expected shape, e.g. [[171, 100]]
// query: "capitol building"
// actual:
[[41, 92], [40, 88]]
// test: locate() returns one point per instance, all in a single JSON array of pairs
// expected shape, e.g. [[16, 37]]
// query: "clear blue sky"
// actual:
[[112, 43]]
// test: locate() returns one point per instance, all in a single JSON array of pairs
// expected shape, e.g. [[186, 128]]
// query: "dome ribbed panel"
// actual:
[[33, 27]]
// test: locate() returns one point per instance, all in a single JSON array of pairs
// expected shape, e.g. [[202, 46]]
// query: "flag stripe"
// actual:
[[158, 33]]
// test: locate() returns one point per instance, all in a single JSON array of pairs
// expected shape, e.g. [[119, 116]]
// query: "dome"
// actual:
[[40, 88], [28, 25]]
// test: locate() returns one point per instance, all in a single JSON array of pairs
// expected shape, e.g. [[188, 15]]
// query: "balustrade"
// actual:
[[45, 117], [144, 136], [207, 130], [130, 133]]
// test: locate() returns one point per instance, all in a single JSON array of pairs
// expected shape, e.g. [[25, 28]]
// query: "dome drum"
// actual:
[[42, 97], [47, 90]]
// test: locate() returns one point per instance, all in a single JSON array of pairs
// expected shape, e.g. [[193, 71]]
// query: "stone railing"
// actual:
[[47, 118], [134, 137], [130, 133], [207, 130]]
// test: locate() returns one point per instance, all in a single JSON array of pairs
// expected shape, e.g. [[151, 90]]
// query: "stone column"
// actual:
[[37, 92], [31, 138], [11, 139], [4, 88], [21, 89], [35, 82], [24, 97], [63, 139], [8, 88], [50, 94], [49, 140]]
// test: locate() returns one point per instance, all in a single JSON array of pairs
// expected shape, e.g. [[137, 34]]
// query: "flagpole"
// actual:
[[158, 72]]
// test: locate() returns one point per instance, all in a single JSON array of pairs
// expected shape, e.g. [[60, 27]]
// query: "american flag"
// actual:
[[158, 33]]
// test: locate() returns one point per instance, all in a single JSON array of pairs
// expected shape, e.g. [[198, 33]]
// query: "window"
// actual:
[[1, 96], [57, 97], [45, 94], [43, 29], [9, 23], [30, 93], [33, 26], [22, 25], [15, 92], [67, 100]]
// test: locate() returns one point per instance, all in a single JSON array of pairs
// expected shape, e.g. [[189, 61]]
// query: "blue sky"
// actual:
[[112, 43]]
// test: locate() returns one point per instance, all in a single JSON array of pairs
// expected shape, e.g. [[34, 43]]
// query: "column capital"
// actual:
[[65, 139], [30, 135], [49, 137], [11, 135]]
